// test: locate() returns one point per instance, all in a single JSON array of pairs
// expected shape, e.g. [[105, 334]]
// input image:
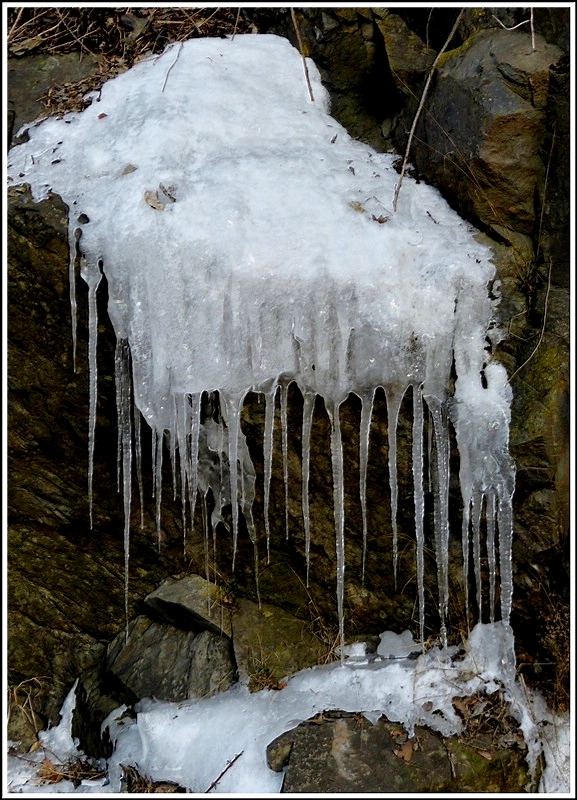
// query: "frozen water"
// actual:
[[192, 742], [248, 241]]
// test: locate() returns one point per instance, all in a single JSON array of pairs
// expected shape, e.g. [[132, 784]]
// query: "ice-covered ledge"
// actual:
[[247, 242]]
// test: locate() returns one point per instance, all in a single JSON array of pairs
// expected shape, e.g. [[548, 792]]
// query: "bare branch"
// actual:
[[420, 108]]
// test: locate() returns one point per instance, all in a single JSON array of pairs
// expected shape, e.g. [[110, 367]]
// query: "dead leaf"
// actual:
[[405, 752], [128, 169], [169, 192], [381, 219], [101, 116], [151, 198]]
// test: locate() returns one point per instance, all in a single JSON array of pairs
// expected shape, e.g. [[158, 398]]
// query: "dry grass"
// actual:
[[116, 37]]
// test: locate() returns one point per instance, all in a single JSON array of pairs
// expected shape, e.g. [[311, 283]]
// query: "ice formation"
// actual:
[[248, 242]]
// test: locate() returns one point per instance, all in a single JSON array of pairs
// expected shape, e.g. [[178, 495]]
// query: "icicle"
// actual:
[[206, 557], [284, 428], [171, 434], [92, 275], [74, 235], [138, 454], [465, 536], [232, 405], [394, 399], [267, 452], [367, 401], [124, 409], [505, 524], [419, 498], [159, 441], [333, 410], [477, 507], [441, 489], [182, 427], [192, 453], [308, 411], [490, 517]]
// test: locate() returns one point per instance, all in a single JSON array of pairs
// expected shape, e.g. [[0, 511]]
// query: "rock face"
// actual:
[[504, 110], [341, 752]]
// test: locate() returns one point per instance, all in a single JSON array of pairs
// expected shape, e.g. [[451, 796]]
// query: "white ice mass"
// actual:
[[248, 241]]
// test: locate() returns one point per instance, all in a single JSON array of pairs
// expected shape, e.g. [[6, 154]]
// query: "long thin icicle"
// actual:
[[441, 490], [477, 508], [308, 411], [367, 402], [394, 399], [333, 410], [124, 408], [490, 516], [74, 235], [192, 452], [138, 456], [419, 497], [233, 406], [505, 524], [267, 452], [284, 429], [158, 453], [92, 276]]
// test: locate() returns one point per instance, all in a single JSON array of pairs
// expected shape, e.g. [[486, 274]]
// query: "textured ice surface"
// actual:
[[248, 241]]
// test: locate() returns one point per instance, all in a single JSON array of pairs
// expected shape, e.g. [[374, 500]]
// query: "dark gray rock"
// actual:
[[168, 663], [339, 752]]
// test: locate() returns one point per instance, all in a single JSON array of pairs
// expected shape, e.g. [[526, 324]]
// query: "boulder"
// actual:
[[338, 752]]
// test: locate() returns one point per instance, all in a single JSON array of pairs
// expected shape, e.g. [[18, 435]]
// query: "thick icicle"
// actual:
[[441, 490], [267, 452], [333, 410], [419, 497], [309, 399], [367, 401], [284, 429]]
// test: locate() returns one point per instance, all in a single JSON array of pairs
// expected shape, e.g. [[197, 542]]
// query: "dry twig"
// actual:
[[420, 108]]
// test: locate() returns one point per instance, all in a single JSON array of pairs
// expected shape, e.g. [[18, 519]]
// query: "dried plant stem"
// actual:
[[226, 769], [420, 108], [16, 21], [74, 36], [524, 364], [302, 52], [518, 25], [236, 23], [171, 66]]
